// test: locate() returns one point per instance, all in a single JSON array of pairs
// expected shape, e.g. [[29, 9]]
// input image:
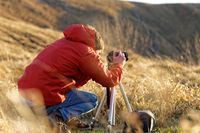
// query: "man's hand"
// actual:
[[119, 58]]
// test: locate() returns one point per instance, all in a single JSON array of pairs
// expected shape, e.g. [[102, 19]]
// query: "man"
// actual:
[[55, 74]]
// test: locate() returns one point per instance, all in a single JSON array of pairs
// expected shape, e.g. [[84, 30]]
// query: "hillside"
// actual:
[[170, 31], [173, 30], [19, 42], [168, 88]]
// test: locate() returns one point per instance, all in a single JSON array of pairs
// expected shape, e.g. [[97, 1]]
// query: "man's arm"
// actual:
[[92, 66]]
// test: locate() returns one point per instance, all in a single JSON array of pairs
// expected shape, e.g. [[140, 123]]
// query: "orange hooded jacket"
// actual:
[[71, 60]]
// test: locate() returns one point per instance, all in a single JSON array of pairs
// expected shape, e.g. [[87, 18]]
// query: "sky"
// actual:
[[166, 1]]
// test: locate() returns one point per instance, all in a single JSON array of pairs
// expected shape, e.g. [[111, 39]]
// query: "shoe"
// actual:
[[62, 128], [76, 123], [58, 124], [54, 119]]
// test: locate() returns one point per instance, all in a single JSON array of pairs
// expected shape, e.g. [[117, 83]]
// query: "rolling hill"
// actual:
[[169, 31]]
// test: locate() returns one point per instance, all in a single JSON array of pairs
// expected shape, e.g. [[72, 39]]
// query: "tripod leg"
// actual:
[[114, 108], [94, 119], [128, 105], [108, 96], [111, 117]]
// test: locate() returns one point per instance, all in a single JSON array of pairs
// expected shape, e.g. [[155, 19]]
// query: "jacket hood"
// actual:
[[80, 33]]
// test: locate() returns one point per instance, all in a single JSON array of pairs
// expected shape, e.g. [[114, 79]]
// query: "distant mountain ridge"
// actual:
[[170, 30]]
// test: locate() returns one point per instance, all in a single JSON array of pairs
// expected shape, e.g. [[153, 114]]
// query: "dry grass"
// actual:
[[165, 87], [169, 89], [149, 85], [18, 47], [110, 7], [30, 11]]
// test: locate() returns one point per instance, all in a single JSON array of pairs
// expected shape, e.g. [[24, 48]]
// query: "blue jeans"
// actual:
[[77, 103]]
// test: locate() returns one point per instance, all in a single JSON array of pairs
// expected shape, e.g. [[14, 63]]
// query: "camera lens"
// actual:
[[126, 55]]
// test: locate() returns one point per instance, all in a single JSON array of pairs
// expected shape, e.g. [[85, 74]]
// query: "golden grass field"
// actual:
[[169, 89]]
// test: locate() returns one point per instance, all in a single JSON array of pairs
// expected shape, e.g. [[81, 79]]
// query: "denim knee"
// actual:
[[94, 100]]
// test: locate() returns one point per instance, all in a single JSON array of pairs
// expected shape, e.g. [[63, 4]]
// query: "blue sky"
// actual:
[[166, 1]]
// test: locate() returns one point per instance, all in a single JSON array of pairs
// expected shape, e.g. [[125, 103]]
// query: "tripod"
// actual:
[[112, 103]]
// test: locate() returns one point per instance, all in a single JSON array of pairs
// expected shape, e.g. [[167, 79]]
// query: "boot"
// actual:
[[77, 123], [58, 124]]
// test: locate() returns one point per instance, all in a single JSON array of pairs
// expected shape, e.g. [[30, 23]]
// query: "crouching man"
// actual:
[[64, 66]]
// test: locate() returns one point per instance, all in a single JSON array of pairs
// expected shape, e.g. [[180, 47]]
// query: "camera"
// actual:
[[110, 55]]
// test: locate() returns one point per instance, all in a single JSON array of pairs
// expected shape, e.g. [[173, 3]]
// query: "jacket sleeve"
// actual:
[[92, 66]]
